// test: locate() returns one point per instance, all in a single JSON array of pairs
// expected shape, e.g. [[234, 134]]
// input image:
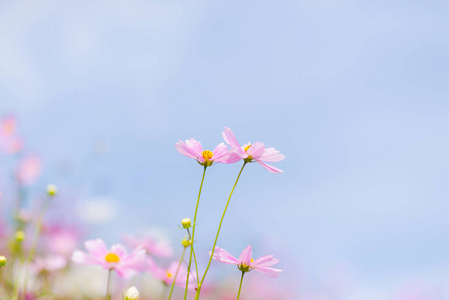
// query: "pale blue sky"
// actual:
[[354, 93]]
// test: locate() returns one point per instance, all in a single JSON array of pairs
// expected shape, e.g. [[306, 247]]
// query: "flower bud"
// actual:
[[132, 294], [20, 236], [51, 190], [186, 242], [2, 261], [186, 223]]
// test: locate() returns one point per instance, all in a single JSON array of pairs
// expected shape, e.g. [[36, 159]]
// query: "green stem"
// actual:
[[197, 295], [35, 241], [194, 256], [108, 296], [176, 274], [193, 233], [240, 287]]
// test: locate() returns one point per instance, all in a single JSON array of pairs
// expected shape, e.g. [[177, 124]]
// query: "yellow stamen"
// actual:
[[169, 275], [252, 260], [247, 147], [207, 155], [112, 258]]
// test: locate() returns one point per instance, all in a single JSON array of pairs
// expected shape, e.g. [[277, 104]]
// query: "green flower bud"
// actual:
[[186, 223], [2, 261], [51, 190]]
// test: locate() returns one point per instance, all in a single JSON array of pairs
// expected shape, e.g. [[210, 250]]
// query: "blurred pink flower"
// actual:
[[167, 275], [256, 152], [48, 263], [61, 240], [154, 246], [245, 263], [10, 142], [29, 170], [193, 149], [115, 258]]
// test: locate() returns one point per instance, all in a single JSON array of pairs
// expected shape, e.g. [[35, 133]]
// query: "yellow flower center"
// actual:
[[207, 155], [112, 258], [252, 260], [169, 275], [247, 147]]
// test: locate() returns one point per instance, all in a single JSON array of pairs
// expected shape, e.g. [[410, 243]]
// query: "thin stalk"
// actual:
[[176, 274], [108, 296], [194, 256], [193, 233], [35, 241], [197, 295], [240, 287]]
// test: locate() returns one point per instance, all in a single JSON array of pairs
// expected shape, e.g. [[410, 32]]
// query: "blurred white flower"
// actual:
[[132, 294]]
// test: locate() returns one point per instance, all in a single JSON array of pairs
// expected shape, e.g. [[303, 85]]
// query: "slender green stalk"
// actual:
[[194, 256], [108, 295], [176, 274], [193, 234], [34, 243], [240, 287], [197, 295]]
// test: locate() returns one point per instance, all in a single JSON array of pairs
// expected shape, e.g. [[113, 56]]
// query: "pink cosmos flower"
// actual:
[[48, 263], [61, 240], [167, 275], [193, 149], [115, 258], [253, 152], [245, 263], [10, 142], [29, 170], [154, 246]]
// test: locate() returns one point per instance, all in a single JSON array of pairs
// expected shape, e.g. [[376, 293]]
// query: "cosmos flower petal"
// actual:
[[265, 261], [82, 258], [230, 139], [195, 146], [223, 256], [119, 250], [270, 168], [272, 155], [96, 247], [270, 272], [220, 153], [185, 150], [245, 257], [256, 150]]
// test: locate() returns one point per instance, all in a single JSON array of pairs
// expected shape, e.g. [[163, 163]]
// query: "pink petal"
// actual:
[[82, 258], [97, 249], [270, 168], [185, 150], [224, 257], [138, 260], [265, 261], [119, 250], [271, 272], [245, 257], [229, 137], [272, 155], [195, 145], [220, 153], [256, 150], [233, 157]]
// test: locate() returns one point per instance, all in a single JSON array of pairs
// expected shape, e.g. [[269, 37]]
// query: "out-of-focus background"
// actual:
[[354, 93]]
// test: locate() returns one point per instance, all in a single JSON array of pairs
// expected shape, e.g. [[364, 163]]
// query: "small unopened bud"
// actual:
[[186, 223], [186, 242], [51, 190], [2, 261], [20, 236], [132, 294]]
